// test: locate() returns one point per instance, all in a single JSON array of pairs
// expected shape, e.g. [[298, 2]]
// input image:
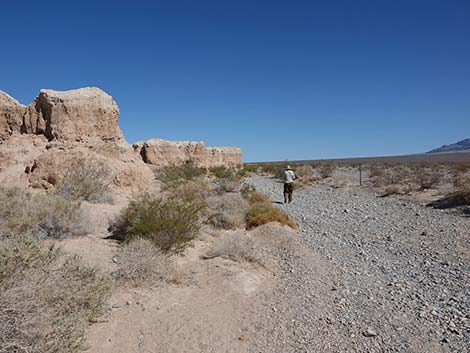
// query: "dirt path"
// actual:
[[211, 310], [378, 275]]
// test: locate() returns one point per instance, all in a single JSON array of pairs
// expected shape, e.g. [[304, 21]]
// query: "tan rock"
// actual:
[[77, 115], [11, 116], [162, 153]]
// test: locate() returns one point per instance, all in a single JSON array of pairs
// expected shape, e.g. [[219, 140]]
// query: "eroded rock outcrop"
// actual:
[[77, 115], [40, 141], [162, 153], [11, 116]]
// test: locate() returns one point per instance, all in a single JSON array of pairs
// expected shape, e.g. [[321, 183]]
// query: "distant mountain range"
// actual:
[[463, 145]]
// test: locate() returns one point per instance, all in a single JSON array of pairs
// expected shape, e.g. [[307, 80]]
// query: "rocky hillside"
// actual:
[[39, 141], [463, 145]]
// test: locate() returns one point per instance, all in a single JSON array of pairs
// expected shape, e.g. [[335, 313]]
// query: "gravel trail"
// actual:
[[375, 275]]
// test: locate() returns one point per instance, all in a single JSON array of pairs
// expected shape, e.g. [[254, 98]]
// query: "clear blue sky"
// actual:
[[281, 79]]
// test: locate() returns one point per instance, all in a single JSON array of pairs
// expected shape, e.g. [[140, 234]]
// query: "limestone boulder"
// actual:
[[11, 116], [77, 115]]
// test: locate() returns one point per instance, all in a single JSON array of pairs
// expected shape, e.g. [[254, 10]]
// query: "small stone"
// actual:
[[128, 302], [369, 332]]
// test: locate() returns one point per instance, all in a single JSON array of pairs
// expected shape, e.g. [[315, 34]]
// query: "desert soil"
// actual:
[[364, 274], [376, 275]]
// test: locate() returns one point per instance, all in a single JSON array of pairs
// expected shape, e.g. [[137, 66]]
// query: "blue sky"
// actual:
[[281, 79]]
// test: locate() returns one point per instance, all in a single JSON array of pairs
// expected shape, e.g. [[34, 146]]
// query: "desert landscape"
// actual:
[[164, 246]]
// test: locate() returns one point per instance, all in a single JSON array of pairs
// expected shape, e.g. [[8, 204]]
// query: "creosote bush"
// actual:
[[140, 262], [47, 299], [260, 214], [23, 213], [86, 179], [170, 223], [222, 172]]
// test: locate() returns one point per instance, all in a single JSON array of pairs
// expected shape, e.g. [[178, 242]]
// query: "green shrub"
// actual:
[[260, 214], [47, 299], [180, 173], [170, 223], [23, 213], [86, 179]]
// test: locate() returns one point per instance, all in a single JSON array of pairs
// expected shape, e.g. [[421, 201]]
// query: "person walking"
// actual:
[[289, 177]]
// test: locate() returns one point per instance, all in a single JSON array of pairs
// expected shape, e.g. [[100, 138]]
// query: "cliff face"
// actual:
[[162, 153], [44, 137]]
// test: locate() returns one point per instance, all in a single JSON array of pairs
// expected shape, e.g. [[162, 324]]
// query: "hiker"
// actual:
[[289, 177]]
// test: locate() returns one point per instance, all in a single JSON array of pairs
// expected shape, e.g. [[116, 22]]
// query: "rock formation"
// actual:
[[76, 115], [11, 116], [161, 153], [39, 141]]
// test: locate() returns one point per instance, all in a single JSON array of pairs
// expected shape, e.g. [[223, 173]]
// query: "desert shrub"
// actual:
[[47, 299], [229, 184], [140, 262], [427, 179], [247, 190], [222, 172], [305, 171], [247, 169], [86, 179], [260, 214], [326, 170], [462, 190], [177, 173], [236, 247], [192, 191], [258, 197], [274, 169], [170, 223], [226, 211], [23, 213]]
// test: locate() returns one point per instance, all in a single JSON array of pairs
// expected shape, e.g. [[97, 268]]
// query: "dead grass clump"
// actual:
[[236, 247], [23, 213], [140, 262], [178, 173], [258, 197], [247, 190], [305, 171], [226, 211], [229, 184], [326, 170], [86, 179], [427, 179], [47, 299], [170, 223], [260, 214]]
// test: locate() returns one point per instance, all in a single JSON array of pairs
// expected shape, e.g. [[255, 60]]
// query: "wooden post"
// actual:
[[360, 174]]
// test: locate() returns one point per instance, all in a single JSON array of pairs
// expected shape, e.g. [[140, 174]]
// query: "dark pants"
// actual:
[[288, 190]]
